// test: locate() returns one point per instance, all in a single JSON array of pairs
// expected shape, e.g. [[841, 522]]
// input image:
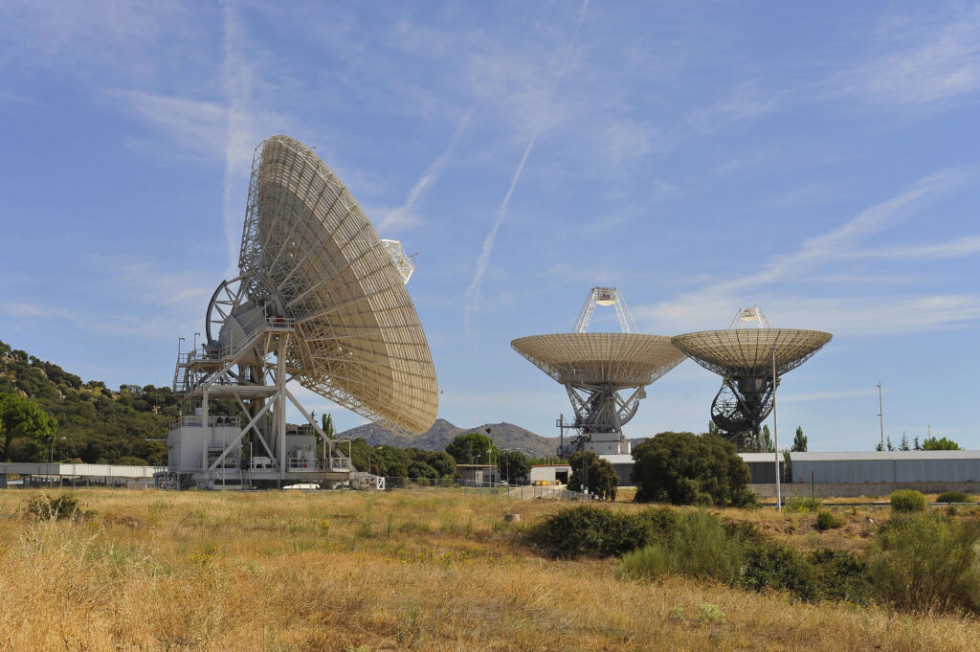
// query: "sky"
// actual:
[[818, 160]]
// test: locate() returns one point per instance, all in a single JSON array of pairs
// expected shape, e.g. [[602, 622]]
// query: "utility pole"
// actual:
[[881, 416], [775, 428]]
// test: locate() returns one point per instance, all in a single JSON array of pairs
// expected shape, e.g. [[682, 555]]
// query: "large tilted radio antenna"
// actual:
[[320, 299]]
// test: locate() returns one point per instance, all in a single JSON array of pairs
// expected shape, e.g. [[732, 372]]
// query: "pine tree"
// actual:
[[767, 440], [799, 441]]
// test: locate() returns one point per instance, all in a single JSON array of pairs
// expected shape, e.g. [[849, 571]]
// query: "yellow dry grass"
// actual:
[[354, 571]]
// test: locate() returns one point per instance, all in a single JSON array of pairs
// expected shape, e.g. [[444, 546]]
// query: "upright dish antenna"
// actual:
[[604, 374], [744, 356], [321, 300]]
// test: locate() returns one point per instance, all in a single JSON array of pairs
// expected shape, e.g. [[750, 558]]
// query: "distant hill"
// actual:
[[95, 423], [436, 438]]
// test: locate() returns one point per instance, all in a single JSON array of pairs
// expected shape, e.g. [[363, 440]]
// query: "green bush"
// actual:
[[801, 504], [44, 507], [954, 497], [927, 562], [839, 575], [769, 565], [908, 500], [587, 531], [703, 546], [827, 521], [687, 469], [700, 546], [647, 563], [661, 522]]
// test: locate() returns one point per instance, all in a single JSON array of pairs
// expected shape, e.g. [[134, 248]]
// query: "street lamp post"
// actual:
[[775, 428], [490, 456], [881, 416]]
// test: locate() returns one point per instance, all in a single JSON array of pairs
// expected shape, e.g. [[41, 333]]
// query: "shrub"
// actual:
[[774, 566], [587, 531], [840, 575], [661, 522], [647, 563], [801, 504], [687, 469], [927, 562], [827, 521], [44, 507], [700, 546], [705, 547], [953, 497], [908, 500]]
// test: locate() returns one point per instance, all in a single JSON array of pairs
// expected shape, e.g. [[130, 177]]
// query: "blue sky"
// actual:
[[819, 160]]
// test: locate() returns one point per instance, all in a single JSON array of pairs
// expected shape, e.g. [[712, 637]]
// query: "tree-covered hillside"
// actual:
[[95, 424]]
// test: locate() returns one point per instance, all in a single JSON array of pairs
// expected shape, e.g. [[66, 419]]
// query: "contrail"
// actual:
[[432, 174], [473, 291], [237, 82]]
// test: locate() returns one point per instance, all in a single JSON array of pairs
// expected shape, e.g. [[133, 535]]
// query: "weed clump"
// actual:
[[801, 504], [827, 521], [908, 501], [43, 507]]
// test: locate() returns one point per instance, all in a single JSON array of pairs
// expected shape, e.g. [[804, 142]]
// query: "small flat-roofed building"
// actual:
[[550, 474]]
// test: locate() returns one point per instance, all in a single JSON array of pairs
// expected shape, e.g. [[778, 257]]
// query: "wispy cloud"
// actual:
[[237, 83], [196, 126], [404, 215], [27, 310], [472, 296], [857, 315], [922, 63]]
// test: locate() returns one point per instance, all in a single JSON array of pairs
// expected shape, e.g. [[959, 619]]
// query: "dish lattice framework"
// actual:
[[620, 360], [309, 249], [749, 351]]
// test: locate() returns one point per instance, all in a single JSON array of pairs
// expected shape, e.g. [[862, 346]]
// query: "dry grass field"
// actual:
[[423, 570]]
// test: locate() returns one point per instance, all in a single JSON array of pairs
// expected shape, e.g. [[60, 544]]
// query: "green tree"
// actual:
[[471, 448], [513, 464], [326, 425], [683, 468], [22, 417], [799, 441], [589, 471], [942, 444], [767, 440], [904, 443]]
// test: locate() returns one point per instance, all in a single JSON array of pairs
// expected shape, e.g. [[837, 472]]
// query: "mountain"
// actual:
[[436, 438]]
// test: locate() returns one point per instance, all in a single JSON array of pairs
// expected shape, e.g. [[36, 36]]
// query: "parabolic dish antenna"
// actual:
[[310, 254], [320, 299], [745, 357], [605, 374]]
